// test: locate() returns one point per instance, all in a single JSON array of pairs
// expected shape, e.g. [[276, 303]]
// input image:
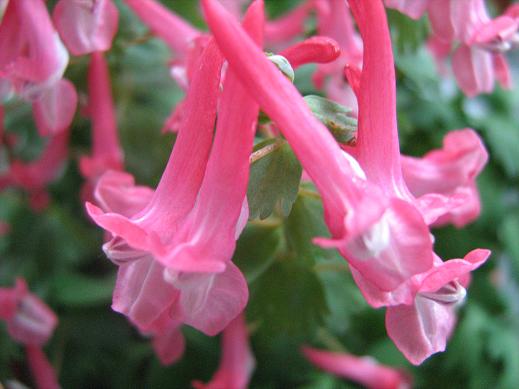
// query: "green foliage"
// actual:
[[274, 180], [335, 117]]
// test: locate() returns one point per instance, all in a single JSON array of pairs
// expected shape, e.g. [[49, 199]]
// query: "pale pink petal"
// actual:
[[237, 362], [42, 371], [473, 69], [363, 370], [55, 108], [142, 294], [86, 26], [211, 301], [117, 192], [412, 8], [421, 329]]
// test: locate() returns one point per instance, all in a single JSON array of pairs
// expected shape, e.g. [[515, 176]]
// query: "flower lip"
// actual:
[[452, 293]]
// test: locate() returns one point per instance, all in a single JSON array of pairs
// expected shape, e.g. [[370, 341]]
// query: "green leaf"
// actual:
[[288, 299], [274, 180], [304, 223], [408, 34], [256, 249], [335, 117], [79, 291], [503, 139]]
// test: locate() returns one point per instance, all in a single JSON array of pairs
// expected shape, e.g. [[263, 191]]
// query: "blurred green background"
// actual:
[[300, 294]]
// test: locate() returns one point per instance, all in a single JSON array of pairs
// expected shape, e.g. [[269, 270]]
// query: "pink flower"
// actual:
[[31, 55], [284, 29], [237, 362], [478, 61], [448, 175], [363, 370], [422, 328], [86, 25], [106, 150], [30, 322], [175, 253]]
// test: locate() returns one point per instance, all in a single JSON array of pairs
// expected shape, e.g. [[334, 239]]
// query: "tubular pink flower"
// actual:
[[31, 55], [176, 32], [42, 371], [55, 107], [237, 362], [186, 233], [412, 8], [363, 370], [450, 173], [86, 26], [106, 151], [422, 328]]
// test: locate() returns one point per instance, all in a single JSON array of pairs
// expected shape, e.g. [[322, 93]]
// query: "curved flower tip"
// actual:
[[444, 180], [121, 226], [169, 344], [32, 322], [42, 371], [363, 370], [86, 25], [116, 192], [317, 49], [422, 328], [55, 107], [237, 362]]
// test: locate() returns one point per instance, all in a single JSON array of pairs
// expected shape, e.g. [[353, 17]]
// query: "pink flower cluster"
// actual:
[[479, 42], [173, 245]]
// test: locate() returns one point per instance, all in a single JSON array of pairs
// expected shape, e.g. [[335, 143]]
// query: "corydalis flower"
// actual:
[[30, 322], [188, 229], [86, 25], [363, 370], [424, 302]]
